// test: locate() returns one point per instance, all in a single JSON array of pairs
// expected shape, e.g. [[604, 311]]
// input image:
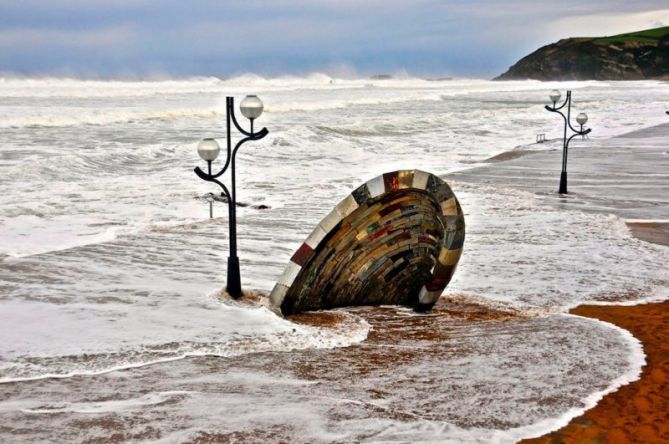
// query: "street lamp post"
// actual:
[[208, 149], [582, 118]]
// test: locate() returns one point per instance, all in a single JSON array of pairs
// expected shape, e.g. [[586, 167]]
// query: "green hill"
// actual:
[[632, 56], [649, 36]]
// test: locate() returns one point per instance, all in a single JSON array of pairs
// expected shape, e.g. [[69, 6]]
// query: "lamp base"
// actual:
[[563, 183], [234, 287]]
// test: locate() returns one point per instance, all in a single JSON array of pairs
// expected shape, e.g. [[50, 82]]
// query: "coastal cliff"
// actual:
[[634, 56]]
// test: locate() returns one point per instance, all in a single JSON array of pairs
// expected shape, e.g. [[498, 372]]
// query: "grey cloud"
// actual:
[[211, 37]]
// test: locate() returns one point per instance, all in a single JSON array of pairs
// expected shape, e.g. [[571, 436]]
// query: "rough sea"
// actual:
[[111, 322]]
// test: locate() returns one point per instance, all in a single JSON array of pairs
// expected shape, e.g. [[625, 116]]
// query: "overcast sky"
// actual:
[[160, 38]]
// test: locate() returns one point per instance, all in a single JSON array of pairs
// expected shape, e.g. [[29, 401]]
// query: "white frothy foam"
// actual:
[[201, 329]]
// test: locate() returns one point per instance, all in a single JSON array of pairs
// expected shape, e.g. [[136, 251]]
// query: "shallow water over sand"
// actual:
[[464, 373]]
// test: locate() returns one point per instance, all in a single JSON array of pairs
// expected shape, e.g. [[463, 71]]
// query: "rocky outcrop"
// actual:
[[636, 56]]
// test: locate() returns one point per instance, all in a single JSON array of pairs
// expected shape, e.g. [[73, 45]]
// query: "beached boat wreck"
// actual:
[[396, 239]]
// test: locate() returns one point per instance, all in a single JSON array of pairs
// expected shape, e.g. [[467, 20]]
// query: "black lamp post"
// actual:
[[208, 149], [582, 118]]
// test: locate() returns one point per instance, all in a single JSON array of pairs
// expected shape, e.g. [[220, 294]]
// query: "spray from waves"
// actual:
[[400, 127], [344, 102], [77, 88], [65, 117], [324, 92], [350, 329], [55, 118], [48, 117], [56, 241], [51, 87]]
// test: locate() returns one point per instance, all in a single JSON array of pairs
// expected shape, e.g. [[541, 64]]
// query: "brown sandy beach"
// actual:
[[639, 411], [657, 233]]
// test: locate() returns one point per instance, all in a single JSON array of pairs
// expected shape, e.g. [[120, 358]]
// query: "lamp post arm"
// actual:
[[228, 157], [572, 128], [222, 171], [229, 151], [579, 133], [256, 136], [238, 126], [212, 178], [571, 137], [556, 108], [231, 111], [564, 139], [565, 144], [557, 111], [225, 190], [567, 122]]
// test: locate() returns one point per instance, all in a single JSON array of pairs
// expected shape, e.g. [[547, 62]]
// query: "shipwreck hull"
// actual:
[[396, 239]]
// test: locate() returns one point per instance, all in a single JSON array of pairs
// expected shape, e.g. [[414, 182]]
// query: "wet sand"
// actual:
[[626, 175], [657, 233], [637, 412]]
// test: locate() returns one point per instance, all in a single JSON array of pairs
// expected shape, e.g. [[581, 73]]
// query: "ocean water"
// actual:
[[109, 262]]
